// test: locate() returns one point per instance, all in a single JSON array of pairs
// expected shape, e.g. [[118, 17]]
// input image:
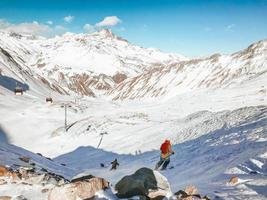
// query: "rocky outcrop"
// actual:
[[191, 190], [6, 172], [24, 159], [233, 180], [190, 193], [144, 182], [80, 188]]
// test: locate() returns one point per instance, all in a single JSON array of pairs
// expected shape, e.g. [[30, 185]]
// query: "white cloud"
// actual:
[[49, 22], [230, 27], [109, 21], [69, 18], [33, 28], [89, 28]]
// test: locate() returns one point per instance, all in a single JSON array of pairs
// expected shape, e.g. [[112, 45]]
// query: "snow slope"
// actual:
[[87, 64], [216, 71], [205, 161], [213, 109]]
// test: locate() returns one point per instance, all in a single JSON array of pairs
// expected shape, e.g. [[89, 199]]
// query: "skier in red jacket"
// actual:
[[166, 152]]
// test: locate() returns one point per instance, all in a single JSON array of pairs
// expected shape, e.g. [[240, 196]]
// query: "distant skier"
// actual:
[[114, 164], [166, 152]]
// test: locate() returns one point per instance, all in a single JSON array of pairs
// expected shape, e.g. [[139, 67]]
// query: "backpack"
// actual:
[[164, 148]]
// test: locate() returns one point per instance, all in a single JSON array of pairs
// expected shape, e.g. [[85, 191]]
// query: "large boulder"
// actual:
[[144, 182], [81, 188]]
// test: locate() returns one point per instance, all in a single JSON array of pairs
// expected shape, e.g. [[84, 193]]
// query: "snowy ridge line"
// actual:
[[216, 71], [102, 64]]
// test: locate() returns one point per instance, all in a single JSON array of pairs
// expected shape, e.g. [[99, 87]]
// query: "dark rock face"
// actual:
[[144, 182], [24, 159]]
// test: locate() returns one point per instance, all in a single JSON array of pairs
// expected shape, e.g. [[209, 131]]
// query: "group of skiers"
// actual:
[[166, 152]]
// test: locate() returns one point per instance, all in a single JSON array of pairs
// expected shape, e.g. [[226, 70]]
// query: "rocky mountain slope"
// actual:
[[86, 64], [216, 71], [102, 63]]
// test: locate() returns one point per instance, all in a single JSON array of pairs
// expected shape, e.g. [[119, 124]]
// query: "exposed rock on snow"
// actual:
[[216, 71], [24, 159], [82, 188], [190, 193], [144, 182], [233, 180], [6, 172], [5, 198], [191, 190]]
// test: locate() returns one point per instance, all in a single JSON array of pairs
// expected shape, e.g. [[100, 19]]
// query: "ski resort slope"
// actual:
[[216, 134], [238, 148], [130, 125], [216, 117]]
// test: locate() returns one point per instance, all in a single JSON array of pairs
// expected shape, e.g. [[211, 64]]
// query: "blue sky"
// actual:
[[189, 27]]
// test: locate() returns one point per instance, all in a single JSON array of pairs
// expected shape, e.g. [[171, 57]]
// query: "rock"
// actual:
[[26, 172], [82, 178], [49, 158], [21, 197], [2, 182], [5, 198], [190, 193], [43, 170], [144, 182], [206, 198], [59, 180], [233, 180], [24, 159], [181, 194], [191, 190], [5, 172], [39, 154], [45, 190], [78, 189]]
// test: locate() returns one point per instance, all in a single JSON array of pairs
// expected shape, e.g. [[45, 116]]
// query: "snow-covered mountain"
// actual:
[[81, 63], [213, 109], [102, 63], [216, 71]]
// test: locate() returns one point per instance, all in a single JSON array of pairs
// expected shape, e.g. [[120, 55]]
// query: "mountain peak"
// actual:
[[107, 33]]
